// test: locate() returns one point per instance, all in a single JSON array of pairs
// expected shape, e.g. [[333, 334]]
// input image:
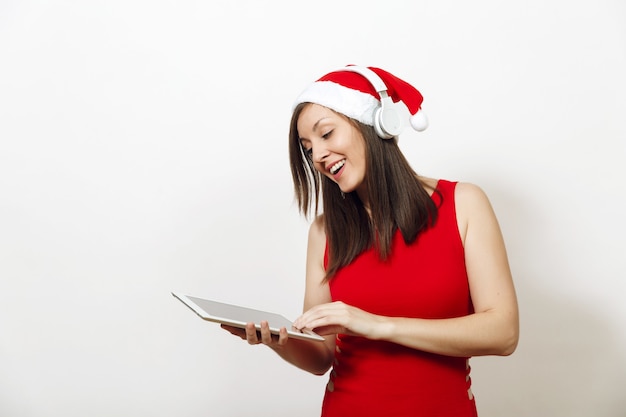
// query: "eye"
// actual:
[[327, 134]]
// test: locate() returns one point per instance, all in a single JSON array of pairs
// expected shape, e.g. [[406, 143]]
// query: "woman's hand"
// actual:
[[264, 336], [338, 317]]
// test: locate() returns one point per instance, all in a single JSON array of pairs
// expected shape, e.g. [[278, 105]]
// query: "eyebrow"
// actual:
[[319, 121], [315, 125]]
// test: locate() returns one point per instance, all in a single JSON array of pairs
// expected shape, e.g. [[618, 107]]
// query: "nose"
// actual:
[[319, 152]]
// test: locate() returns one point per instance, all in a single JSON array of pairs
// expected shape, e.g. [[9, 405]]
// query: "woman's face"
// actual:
[[336, 147]]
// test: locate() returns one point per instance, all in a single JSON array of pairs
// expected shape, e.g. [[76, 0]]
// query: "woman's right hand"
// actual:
[[263, 336], [311, 356]]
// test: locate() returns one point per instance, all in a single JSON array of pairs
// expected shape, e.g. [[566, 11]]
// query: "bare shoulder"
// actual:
[[317, 230], [467, 193], [472, 207]]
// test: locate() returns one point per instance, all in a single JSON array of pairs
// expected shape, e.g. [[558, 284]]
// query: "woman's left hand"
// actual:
[[338, 317]]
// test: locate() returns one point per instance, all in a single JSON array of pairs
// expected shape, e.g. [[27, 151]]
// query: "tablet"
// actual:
[[237, 316]]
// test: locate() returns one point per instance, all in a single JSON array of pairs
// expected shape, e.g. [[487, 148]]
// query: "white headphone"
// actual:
[[388, 119]]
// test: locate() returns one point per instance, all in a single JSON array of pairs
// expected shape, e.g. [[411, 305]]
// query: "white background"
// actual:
[[143, 151]]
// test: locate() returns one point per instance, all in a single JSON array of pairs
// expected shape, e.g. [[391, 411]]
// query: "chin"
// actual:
[[347, 189]]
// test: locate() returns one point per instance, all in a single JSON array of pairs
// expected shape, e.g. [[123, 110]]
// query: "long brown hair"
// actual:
[[397, 198]]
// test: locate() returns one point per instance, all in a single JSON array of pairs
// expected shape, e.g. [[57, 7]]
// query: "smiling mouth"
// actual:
[[335, 168]]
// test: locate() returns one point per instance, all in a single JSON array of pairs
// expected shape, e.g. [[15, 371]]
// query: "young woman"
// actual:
[[406, 277]]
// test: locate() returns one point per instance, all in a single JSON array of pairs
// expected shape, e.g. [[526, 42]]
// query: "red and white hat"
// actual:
[[353, 95]]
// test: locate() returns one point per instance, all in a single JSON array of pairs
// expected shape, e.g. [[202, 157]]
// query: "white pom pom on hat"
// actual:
[[419, 121], [351, 94]]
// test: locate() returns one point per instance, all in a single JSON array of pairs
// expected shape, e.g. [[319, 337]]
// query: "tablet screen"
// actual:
[[238, 316]]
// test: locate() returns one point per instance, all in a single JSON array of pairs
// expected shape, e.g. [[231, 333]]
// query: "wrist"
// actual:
[[384, 328]]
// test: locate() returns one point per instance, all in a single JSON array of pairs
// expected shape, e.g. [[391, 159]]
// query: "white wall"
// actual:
[[143, 151]]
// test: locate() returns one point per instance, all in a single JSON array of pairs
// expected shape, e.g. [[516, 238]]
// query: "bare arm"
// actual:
[[492, 330], [312, 356]]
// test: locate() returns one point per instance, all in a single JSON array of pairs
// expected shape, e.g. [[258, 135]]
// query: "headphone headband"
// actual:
[[370, 75]]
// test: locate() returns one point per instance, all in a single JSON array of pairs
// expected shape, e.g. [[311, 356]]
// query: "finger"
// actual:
[[283, 336], [328, 330], [251, 334], [322, 317], [266, 334], [305, 317], [302, 321], [316, 313]]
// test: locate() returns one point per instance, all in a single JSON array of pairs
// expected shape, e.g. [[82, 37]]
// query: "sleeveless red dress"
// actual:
[[426, 279]]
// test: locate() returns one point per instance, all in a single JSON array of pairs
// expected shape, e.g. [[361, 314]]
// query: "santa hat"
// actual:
[[353, 95]]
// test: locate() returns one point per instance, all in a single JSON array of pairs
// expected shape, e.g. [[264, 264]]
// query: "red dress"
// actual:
[[426, 279]]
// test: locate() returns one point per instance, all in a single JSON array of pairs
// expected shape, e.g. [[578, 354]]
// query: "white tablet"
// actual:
[[237, 316]]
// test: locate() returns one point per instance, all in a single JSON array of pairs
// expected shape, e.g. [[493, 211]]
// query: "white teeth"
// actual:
[[333, 170]]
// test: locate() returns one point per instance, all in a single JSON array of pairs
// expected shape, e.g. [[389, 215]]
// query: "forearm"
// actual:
[[485, 333], [311, 356]]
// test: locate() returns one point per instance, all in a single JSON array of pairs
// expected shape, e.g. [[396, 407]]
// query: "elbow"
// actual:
[[507, 335], [319, 368], [508, 349], [500, 342], [509, 341], [319, 372], [313, 368]]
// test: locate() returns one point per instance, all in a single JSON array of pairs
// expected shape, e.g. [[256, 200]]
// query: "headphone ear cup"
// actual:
[[388, 122], [380, 131]]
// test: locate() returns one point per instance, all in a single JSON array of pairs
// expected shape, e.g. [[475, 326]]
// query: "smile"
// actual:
[[335, 168]]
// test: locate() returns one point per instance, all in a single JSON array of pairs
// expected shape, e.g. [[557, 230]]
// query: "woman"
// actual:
[[406, 277]]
